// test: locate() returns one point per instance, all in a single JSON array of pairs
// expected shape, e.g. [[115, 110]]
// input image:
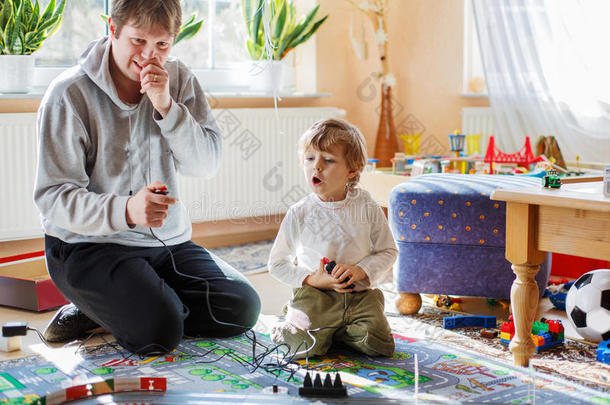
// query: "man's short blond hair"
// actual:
[[326, 133], [146, 13]]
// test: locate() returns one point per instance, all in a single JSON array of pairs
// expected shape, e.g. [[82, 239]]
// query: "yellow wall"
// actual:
[[425, 55]]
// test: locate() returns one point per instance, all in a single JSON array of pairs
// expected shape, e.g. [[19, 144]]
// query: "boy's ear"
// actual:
[[354, 172]]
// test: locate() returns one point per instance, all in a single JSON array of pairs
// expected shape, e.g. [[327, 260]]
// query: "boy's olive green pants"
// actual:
[[315, 318]]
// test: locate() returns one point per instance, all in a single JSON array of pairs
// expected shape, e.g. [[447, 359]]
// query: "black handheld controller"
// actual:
[[329, 269]]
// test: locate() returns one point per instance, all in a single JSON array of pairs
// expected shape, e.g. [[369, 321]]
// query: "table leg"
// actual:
[[523, 253], [524, 303]]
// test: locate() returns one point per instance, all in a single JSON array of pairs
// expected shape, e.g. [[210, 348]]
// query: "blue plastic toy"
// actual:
[[558, 298], [603, 351], [469, 321]]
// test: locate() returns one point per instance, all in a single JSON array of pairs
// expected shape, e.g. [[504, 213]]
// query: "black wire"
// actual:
[[257, 359], [284, 363], [275, 369], [40, 336], [207, 285]]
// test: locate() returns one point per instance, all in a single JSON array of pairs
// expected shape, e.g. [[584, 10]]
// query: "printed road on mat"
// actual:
[[220, 366]]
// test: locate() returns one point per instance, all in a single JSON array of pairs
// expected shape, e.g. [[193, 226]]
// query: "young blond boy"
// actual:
[[342, 223]]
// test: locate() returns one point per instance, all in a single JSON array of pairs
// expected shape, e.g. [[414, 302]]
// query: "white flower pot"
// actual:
[[17, 73], [266, 76]]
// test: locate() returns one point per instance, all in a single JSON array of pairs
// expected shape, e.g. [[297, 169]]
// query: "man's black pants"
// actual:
[[135, 293]]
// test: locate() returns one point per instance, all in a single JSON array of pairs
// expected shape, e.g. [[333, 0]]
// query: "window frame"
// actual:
[[211, 79]]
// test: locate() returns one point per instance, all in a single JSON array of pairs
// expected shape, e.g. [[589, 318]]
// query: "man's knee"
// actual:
[[247, 307], [160, 333]]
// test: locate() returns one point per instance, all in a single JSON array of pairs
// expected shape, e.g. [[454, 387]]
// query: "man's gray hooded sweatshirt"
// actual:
[[94, 149]]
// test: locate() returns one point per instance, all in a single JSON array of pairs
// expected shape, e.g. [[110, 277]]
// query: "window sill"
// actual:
[[474, 95], [247, 94], [38, 93]]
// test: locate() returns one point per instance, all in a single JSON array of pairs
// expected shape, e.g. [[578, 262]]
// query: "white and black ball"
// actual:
[[588, 305]]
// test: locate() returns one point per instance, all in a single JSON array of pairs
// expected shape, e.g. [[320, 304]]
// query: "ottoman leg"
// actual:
[[408, 303]]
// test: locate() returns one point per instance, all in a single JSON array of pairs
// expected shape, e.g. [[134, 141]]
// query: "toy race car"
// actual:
[[551, 180]]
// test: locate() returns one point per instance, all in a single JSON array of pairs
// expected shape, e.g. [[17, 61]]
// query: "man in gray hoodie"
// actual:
[[113, 133]]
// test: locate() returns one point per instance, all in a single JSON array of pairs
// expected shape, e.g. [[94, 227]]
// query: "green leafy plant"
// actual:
[[187, 31], [287, 32], [23, 28]]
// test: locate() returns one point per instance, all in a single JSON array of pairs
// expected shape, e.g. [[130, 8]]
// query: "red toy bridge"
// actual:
[[524, 157]]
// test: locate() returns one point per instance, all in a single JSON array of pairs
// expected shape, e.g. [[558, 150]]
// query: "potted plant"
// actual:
[[23, 29], [285, 32]]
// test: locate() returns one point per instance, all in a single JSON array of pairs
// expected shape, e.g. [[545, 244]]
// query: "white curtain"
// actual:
[[547, 65]]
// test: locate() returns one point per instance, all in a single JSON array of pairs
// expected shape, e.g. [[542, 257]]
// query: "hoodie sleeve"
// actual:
[[60, 190], [283, 254], [191, 132]]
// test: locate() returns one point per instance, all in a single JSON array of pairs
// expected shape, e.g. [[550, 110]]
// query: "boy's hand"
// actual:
[[339, 280], [320, 279], [147, 208], [346, 275], [154, 82]]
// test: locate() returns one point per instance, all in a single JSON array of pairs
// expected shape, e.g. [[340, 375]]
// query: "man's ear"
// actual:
[[112, 27]]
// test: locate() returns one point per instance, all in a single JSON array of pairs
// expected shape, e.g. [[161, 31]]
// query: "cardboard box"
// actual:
[[574, 266], [26, 284]]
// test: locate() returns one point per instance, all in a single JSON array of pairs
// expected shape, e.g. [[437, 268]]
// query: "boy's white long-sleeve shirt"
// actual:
[[353, 231]]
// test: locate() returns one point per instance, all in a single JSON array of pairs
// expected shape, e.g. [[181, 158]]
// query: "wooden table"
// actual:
[[573, 220], [380, 183]]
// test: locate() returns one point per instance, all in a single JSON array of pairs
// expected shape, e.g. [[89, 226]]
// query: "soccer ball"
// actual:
[[588, 305]]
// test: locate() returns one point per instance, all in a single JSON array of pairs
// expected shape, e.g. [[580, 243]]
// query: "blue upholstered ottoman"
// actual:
[[451, 236]]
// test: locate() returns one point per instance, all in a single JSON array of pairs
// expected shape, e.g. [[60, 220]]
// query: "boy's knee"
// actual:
[[372, 339], [299, 343], [380, 345]]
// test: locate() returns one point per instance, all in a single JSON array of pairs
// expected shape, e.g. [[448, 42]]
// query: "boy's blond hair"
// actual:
[[325, 133], [146, 13]]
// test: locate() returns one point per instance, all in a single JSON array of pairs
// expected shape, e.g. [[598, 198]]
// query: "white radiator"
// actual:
[[18, 214], [478, 120], [260, 174]]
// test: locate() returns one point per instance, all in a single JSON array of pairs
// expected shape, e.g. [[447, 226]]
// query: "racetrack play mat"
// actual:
[[227, 370]]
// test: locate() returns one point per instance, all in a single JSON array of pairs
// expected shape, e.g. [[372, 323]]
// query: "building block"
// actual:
[[508, 327], [555, 326], [544, 333], [469, 321], [603, 351], [489, 333]]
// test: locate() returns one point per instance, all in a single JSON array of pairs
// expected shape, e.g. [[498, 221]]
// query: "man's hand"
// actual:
[[346, 275], [154, 82], [147, 208], [322, 280]]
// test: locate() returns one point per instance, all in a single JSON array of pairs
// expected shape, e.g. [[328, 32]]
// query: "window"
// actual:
[[473, 74], [81, 25], [215, 53], [220, 44]]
